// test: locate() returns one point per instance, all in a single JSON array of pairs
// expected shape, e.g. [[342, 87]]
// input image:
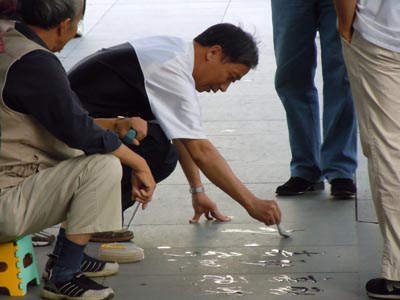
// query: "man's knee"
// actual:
[[168, 165], [154, 148], [98, 197], [107, 166]]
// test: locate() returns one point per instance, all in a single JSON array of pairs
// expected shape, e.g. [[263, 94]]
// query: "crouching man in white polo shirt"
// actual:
[[158, 79]]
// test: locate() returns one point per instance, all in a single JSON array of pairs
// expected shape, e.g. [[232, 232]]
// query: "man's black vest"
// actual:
[[110, 83]]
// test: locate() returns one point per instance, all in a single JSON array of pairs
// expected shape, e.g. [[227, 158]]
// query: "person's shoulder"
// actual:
[[174, 40], [42, 57], [160, 42], [154, 52], [40, 62]]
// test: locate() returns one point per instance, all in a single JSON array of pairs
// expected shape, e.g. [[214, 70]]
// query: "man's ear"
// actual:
[[214, 53], [64, 27]]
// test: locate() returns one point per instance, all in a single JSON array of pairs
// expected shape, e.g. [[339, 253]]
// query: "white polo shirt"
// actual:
[[378, 21], [167, 66]]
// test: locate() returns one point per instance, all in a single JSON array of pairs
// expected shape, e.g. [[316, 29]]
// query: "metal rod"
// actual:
[[134, 213]]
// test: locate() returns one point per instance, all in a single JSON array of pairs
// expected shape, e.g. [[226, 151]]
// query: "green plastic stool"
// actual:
[[18, 266]]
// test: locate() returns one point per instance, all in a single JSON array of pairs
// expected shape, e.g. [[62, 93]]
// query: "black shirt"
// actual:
[[38, 85]]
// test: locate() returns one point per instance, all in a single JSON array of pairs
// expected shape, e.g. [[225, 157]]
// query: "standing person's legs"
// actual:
[[294, 28], [375, 81], [339, 147]]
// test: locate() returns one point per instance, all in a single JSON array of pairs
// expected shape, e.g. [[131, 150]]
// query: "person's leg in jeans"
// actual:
[[339, 147], [294, 29]]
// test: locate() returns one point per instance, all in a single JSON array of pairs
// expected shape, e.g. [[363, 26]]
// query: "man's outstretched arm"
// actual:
[[217, 170]]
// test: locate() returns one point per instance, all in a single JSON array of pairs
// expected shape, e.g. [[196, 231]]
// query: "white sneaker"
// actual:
[[121, 252], [79, 287]]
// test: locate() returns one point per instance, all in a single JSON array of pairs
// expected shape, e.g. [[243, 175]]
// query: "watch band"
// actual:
[[196, 190]]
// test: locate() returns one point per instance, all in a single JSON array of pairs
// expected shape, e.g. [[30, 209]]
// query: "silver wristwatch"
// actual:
[[196, 190]]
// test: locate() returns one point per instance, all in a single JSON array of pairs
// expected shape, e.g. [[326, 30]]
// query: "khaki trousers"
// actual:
[[84, 191], [375, 81]]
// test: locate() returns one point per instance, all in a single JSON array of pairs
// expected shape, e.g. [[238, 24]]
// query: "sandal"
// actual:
[[112, 236]]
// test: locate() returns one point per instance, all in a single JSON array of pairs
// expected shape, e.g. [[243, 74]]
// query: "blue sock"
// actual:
[[68, 262], [59, 242]]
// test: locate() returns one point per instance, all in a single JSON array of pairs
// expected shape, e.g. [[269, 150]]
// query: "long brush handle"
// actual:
[[134, 213]]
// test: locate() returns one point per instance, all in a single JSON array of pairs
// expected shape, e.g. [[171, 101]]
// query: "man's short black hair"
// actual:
[[238, 46], [48, 14]]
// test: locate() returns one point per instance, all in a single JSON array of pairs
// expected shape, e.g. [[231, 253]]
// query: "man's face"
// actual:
[[217, 73]]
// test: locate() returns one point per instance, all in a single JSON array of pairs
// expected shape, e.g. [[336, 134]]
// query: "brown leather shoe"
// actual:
[[122, 235]]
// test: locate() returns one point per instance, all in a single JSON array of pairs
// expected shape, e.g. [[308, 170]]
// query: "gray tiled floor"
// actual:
[[330, 254]]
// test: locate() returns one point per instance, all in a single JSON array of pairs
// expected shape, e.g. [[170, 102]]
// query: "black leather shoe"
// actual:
[[297, 186], [343, 188], [380, 288]]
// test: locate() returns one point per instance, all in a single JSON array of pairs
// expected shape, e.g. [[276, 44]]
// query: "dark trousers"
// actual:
[[160, 155]]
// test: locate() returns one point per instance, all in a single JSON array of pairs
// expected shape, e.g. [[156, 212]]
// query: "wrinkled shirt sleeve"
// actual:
[[37, 85]]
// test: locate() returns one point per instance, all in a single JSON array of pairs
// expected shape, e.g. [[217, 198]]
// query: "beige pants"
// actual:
[[375, 81], [84, 191]]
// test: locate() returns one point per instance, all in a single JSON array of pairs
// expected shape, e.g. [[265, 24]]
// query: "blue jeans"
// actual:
[[295, 24]]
